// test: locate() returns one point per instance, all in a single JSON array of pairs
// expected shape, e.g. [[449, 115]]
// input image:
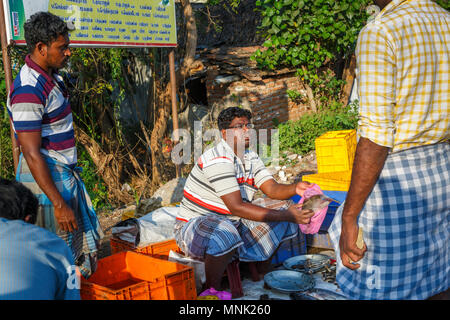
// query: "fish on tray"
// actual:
[[310, 266]]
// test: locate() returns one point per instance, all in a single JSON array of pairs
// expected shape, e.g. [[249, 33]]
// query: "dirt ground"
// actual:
[[107, 221]]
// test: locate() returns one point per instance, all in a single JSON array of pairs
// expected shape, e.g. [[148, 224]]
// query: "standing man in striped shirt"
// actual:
[[39, 107], [399, 193], [217, 218]]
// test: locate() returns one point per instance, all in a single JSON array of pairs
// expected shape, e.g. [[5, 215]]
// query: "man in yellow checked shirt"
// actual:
[[399, 193]]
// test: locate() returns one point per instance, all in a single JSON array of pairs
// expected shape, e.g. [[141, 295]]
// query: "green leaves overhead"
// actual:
[[332, 24], [308, 34]]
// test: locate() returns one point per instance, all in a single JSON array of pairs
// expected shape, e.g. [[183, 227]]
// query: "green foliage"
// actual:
[[443, 3], [94, 184], [308, 32], [97, 91], [310, 35], [295, 96], [6, 158], [99, 74], [299, 136], [232, 3]]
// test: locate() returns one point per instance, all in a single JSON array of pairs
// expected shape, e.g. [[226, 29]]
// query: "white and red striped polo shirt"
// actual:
[[219, 172]]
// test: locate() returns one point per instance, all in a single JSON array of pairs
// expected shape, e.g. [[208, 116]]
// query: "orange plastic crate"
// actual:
[[129, 275], [157, 250]]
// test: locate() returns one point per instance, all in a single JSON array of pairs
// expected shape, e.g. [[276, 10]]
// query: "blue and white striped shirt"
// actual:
[[39, 103]]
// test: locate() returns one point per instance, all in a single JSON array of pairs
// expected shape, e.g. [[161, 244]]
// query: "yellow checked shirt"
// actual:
[[403, 75]]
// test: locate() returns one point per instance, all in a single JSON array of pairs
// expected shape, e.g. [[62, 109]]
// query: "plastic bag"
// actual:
[[317, 219], [154, 227]]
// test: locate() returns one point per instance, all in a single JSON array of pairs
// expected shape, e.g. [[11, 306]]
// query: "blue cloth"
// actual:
[[216, 236], [35, 264], [406, 229], [84, 242]]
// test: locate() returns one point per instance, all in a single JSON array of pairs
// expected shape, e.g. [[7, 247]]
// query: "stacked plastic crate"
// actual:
[[335, 152]]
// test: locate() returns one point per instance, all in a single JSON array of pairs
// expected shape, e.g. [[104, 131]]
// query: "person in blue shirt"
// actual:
[[35, 264]]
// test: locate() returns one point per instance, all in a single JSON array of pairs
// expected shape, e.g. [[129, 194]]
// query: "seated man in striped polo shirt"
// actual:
[[219, 218], [39, 108]]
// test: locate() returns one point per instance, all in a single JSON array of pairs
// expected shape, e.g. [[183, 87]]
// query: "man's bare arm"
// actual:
[[30, 143], [249, 211], [369, 161], [275, 190]]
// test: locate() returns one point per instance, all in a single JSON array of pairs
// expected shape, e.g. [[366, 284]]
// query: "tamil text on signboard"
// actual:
[[109, 23]]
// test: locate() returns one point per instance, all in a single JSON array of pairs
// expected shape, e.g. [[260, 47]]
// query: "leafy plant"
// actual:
[[6, 158], [310, 36], [299, 136], [443, 3], [295, 96], [94, 184]]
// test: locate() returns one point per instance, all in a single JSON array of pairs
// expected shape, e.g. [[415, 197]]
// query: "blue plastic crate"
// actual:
[[290, 248]]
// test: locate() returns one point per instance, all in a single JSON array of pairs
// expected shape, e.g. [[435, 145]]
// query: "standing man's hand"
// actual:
[[65, 217], [367, 166], [301, 187], [347, 244], [31, 143]]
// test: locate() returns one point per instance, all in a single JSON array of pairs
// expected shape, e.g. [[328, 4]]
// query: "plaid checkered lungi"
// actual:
[[83, 242], [406, 229], [216, 236]]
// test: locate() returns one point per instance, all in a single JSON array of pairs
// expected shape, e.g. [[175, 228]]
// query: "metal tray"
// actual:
[[308, 263], [288, 281]]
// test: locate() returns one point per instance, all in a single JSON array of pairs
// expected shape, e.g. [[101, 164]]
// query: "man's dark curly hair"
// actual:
[[17, 201], [227, 115], [43, 27]]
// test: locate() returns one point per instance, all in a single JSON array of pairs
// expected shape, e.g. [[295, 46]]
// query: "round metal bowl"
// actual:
[[288, 281]]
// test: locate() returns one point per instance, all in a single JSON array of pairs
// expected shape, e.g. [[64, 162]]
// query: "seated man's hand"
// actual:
[[301, 187], [300, 216]]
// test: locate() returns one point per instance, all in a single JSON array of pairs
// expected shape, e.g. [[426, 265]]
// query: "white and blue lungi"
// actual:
[[406, 229], [85, 241]]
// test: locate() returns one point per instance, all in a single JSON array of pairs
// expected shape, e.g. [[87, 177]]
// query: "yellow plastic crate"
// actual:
[[335, 151], [336, 181]]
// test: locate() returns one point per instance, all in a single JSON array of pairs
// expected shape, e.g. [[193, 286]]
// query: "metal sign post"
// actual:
[[173, 92]]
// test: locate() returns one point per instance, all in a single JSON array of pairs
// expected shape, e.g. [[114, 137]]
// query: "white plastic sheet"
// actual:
[[155, 226]]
